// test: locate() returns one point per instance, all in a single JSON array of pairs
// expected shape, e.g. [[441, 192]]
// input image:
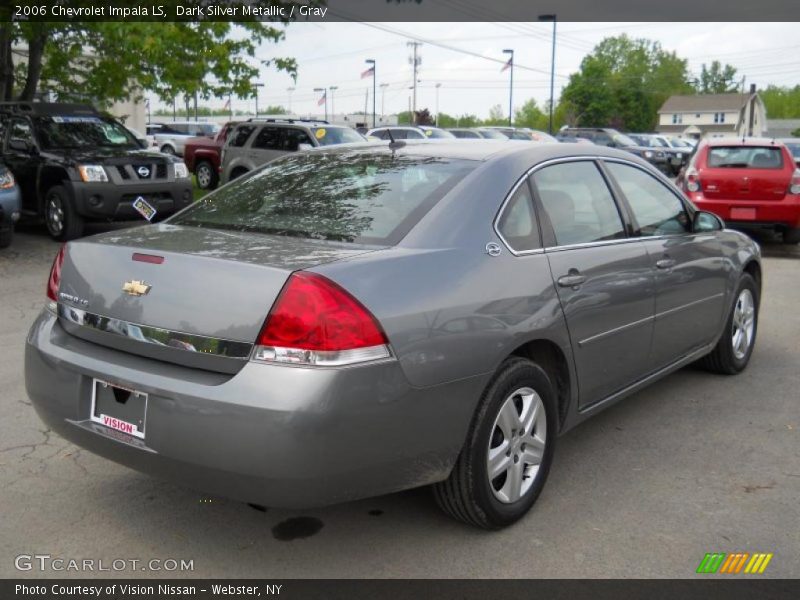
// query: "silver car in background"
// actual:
[[360, 320]]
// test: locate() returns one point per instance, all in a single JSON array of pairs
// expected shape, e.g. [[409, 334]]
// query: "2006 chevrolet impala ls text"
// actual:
[[358, 320]]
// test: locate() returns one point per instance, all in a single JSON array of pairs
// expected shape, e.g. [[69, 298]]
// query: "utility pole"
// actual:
[[333, 88], [553, 18], [290, 90], [510, 64], [415, 62], [371, 61], [383, 100]]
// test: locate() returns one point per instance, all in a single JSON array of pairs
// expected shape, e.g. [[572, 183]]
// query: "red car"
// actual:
[[750, 183], [202, 156]]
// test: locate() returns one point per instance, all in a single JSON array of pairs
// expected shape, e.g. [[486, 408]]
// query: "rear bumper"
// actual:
[[773, 213], [115, 201], [274, 435]]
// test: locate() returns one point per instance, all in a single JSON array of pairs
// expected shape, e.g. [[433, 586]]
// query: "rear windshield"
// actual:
[[356, 197], [327, 136], [745, 157]]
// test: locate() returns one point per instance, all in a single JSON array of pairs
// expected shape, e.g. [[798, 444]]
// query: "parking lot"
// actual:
[[697, 463]]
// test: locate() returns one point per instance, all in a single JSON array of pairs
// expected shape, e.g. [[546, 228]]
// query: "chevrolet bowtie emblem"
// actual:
[[135, 288]]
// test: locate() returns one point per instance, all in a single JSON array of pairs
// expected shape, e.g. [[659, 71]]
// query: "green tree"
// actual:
[[717, 79], [622, 84], [530, 115], [108, 61], [446, 120], [497, 116], [781, 102]]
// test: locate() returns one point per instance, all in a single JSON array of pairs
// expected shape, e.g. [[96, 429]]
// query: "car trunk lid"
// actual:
[[196, 297], [748, 173]]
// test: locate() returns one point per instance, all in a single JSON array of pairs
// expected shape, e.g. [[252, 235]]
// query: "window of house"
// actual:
[[677, 119], [719, 117]]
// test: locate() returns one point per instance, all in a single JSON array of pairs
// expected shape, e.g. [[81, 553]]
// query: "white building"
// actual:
[[713, 114]]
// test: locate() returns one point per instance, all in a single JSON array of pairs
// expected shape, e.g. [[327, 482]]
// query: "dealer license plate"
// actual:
[[119, 408]]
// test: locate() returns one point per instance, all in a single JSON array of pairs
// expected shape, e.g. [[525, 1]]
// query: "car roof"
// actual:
[[481, 150], [737, 141], [48, 108]]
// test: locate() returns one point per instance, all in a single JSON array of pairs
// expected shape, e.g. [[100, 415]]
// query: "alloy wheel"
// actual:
[[516, 445], [55, 214], [744, 316], [203, 176]]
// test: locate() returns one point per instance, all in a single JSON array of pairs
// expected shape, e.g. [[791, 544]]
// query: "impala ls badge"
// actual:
[[135, 288]]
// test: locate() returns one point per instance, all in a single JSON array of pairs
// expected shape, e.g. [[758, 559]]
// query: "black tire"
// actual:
[[167, 149], [468, 495], [791, 236], [6, 235], [722, 358], [70, 224], [238, 173], [207, 176]]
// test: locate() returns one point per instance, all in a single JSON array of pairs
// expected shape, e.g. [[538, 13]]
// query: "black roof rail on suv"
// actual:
[[74, 164]]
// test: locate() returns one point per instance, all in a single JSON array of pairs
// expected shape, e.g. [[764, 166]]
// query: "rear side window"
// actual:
[[517, 224], [368, 198], [657, 210], [745, 157], [578, 204], [240, 135], [269, 138]]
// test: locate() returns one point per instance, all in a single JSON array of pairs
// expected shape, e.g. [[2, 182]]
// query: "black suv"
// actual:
[[604, 136], [73, 164]]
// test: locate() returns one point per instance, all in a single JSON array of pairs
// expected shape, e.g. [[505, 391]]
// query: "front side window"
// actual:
[[295, 137], [20, 131], [354, 196], [240, 135], [517, 224], [656, 209], [327, 136], [578, 203]]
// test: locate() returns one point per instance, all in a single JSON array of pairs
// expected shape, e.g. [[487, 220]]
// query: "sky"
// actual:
[[333, 54]]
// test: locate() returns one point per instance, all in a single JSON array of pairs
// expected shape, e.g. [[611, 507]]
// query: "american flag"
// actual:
[[507, 65], [368, 73], [321, 101]]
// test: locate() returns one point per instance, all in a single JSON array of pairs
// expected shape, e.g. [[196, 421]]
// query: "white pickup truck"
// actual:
[[170, 137]]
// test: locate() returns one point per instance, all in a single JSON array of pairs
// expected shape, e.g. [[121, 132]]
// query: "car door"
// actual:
[[22, 156], [603, 277], [691, 275]]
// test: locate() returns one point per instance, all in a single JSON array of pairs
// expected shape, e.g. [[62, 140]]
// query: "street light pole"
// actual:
[[436, 122], [552, 18], [510, 86], [371, 61], [257, 85], [333, 88], [383, 100]]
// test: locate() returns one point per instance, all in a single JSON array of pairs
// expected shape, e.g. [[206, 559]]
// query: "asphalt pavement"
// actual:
[[696, 463]]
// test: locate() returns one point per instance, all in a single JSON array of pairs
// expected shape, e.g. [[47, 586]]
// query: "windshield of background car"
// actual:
[[83, 132], [623, 140], [367, 198], [745, 157], [493, 134], [794, 149], [327, 136], [438, 134], [641, 140]]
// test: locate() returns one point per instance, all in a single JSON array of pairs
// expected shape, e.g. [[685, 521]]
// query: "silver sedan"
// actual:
[[360, 320]]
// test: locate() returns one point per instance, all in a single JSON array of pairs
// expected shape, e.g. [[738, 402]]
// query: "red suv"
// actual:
[[750, 183], [202, 156]]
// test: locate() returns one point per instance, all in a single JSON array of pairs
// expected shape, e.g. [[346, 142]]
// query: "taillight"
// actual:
[[316, 322], [55, 279], [692, 180], [794, 186]]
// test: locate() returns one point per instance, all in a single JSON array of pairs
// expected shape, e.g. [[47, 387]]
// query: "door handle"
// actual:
[[571, 280], [665, 263]]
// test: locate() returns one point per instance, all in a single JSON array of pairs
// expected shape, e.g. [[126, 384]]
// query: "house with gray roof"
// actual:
[[699, 115]]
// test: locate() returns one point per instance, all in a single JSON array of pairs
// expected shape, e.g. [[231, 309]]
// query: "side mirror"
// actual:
[[304, 147], [706, 221], [142, 143], [21, 146]]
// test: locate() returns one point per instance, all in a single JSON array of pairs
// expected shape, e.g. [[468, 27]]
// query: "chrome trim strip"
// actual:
[[144, 334], [670, 311], [605, 334]]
